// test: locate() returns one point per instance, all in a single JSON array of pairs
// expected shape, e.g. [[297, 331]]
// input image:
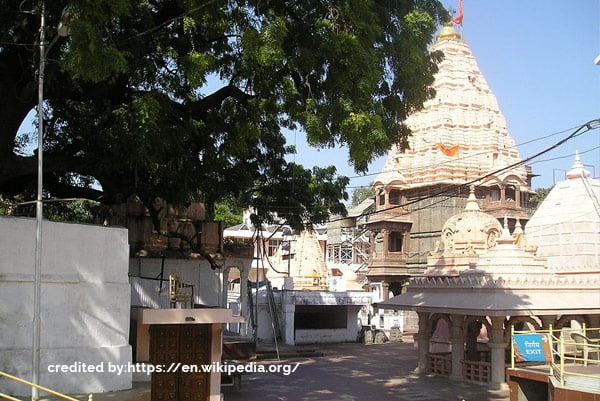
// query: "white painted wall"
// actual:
[[208, 283], [85, 304], [353, 301], [265, 327]]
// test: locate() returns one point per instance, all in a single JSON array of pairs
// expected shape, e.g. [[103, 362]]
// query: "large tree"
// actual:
[[186, 99]]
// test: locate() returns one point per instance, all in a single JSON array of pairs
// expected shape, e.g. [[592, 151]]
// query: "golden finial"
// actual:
[[448, 32]]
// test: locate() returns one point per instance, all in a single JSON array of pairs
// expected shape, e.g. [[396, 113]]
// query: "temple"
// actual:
[[545, 277], [458, 139]]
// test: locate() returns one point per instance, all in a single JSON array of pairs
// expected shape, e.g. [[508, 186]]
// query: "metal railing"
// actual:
[[565, 351], [30, 384]]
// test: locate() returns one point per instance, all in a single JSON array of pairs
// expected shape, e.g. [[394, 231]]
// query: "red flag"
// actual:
[[458, 20]]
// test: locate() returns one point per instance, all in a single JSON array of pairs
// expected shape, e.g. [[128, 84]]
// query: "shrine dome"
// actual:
[[566, 225], [470, 231]]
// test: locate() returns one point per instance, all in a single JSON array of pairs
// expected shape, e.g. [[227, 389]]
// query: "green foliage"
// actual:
[[80, 211], [540, 194], [228, 213], [93, 55], [75, 210], [303, 197], [186, 100], [198, 66], [362, 193], [8, 206]]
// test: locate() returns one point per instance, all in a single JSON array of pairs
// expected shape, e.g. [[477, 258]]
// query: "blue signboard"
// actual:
[[532, 347]]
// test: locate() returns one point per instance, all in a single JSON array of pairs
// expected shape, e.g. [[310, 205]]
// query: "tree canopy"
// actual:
[[540, 195], [188, 100], [362, 193]]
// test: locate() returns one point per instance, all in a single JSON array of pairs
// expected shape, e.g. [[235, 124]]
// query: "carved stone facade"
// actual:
[[167, 230], [478, 296], [459, 139], [465, 236]]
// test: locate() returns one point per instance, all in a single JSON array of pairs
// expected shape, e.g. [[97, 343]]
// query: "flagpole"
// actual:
[[459, 19]]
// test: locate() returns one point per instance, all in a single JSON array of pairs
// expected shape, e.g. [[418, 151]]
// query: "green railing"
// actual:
[[30, 384], [566, 352]]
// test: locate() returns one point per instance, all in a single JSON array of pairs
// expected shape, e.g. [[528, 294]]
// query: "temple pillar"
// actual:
[[497, 345], [518, 196], [385, 289], [458, 346], [372, 236], [386, 242], [547, 320], [224, 287], [422, 339], [289, 310]]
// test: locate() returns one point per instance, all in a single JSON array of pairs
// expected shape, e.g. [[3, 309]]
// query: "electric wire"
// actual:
[[462, 158], [448, 189]]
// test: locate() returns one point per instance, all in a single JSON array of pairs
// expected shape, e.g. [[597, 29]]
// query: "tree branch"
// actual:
[[214, 100]]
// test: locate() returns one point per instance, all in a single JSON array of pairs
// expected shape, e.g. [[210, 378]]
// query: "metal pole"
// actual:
[[552, 351], [289, 257], [37, 282], [512, 346], [259, 256]]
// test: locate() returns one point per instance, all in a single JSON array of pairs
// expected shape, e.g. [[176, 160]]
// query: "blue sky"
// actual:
[[538, 59]]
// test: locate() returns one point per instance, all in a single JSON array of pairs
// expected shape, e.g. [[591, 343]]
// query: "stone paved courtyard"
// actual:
[[359, 372], [344, 372]]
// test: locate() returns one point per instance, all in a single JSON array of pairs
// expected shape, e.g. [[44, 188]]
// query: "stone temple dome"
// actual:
[[566, 226], [470, 231]]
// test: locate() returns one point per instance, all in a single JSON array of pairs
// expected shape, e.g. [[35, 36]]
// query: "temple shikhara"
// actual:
[[458, 139]]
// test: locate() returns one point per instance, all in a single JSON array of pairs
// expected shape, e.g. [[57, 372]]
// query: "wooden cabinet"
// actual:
[[173, 346]]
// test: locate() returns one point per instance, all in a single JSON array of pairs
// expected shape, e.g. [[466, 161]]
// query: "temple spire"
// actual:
[[578, 169], [472, 204]]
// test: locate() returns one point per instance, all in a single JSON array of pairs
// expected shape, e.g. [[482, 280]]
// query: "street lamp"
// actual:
[[37, 275], [37, 282]]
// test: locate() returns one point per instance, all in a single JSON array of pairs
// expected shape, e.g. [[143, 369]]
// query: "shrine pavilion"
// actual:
[[487, 280]]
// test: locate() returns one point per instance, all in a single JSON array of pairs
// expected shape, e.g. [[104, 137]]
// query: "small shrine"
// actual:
[[483, 280]]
